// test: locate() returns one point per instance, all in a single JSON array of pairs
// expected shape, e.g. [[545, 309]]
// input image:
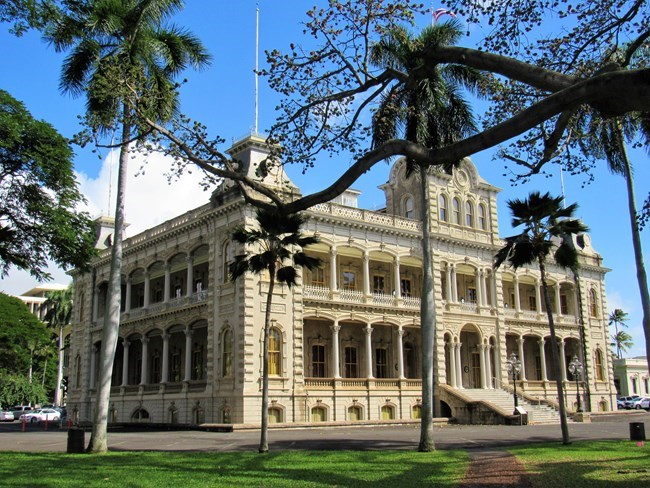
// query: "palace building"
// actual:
[[345, 343]]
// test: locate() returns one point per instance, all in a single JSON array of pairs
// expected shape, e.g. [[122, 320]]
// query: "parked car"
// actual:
[[41, 415], [18, 410], [6, 416], [637, 404], [630, 401], [620, 403], [645, 403]]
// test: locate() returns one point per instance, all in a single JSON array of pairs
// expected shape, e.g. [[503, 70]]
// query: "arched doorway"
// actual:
[[470, 357]]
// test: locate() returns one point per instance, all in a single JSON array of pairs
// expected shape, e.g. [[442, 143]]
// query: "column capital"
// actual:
[[400, 332], [541, 341], [335, 328], [165, 336], [189, 331], [126, 344], [367, 330], [144, 339]]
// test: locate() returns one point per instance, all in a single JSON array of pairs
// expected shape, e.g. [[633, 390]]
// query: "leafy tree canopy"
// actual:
[[38, 196], [17, 390], [27, 14], [20, 332]]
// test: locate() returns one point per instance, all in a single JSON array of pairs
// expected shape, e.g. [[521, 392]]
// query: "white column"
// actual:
[[400, 353], [127, 299], [164, 377], [459, 367], [479, 292], [452, 363], [125, 363], [562, 361], [145, 360], [190, 275], [522, 374], [517, 298], [368, 331], [488, 363], [147, 289], [483, 364], [188, 354], [333, 270], [538, 296], [398, 281], [168, 285], [542, 358], [449, 292], [93, 365], [558, 309], [454, 285], [484, 284], [366, 273], [336, 364]]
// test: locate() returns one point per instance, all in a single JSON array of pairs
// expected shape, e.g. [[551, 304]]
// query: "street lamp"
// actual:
[[575, 368], [513, 365]]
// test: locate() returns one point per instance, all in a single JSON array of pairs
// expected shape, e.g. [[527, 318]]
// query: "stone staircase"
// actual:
[[537, 414]]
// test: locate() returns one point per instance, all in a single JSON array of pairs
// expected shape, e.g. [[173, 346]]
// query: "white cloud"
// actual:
[[150, 200]]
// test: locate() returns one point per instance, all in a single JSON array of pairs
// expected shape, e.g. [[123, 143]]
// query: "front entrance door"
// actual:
[[476, 370]]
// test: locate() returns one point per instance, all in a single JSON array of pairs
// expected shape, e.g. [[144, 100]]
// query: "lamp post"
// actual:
[[513, 365], [575, 368]]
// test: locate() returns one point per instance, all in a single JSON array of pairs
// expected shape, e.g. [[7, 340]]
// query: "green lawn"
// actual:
[[282, 469], [586, 464]]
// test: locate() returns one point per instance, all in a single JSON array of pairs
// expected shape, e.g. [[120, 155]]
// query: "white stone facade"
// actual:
[[345, 343]]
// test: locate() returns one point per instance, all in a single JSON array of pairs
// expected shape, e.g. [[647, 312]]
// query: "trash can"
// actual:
[[637, 431], [76, 441]]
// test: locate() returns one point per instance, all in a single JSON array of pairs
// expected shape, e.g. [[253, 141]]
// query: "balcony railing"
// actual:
[[355, 296], [363, 383]]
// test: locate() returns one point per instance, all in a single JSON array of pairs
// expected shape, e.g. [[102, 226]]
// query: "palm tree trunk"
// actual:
[[264, 441], [98, 439], [44, 372], [641, 275], [427, 321], [59, 374], [556, 356]]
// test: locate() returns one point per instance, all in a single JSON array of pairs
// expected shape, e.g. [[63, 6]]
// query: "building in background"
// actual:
[[345, 343], [631, 376]]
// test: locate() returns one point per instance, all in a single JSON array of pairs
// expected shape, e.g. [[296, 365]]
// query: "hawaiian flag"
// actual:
[[436, 14]]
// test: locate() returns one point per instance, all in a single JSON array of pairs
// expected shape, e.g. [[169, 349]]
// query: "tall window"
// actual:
[[442, 206], [532, 303], [455, 208], [318, 361], [228, 257], [155, 366], [482, 217], [318, 277], [598, 364], [405, 288], [176, 365], [469, 214], [226, 359], [381, 363], [564, 305], [275, 356], [593, 303], [378, 284], [349, 280], [409, 211], [351, 362], [198, 354]]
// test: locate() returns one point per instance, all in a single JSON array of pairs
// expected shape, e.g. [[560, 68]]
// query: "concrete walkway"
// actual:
[[470, 437]]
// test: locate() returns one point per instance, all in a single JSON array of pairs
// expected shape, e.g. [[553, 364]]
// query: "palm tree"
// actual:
[[275, 242], [608, 142], [622, 340], [545, 222], [433, 113], [58, 306], [120, 53]]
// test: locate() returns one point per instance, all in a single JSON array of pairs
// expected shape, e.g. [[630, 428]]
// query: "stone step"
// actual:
[[504, 400]]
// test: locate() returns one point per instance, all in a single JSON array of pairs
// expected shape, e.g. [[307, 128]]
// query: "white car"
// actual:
[[641, 402], [6, 416], [41, 415]]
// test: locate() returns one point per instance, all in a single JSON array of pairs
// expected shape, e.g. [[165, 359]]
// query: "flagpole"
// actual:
[[257, 60]]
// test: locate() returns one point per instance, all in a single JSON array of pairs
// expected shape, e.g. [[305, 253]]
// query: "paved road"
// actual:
[[36, 439]]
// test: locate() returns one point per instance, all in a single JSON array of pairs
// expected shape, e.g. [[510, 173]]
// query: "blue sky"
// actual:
[[222, 98]]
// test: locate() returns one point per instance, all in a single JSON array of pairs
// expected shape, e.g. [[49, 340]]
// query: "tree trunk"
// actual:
[[427, 321], [264, 441], [98, 440], [59, 375], [556, 357], [641, 274]]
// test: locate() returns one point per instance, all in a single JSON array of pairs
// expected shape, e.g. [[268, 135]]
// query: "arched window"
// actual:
[[442, 205], [455, 208], [387, 412], [275, 415], [228, 257], [416, 412], [598, 364], [482, 217], [409, 211], [226, 358], [140, 415], [593, 303], [469, 214], [318, 414], [275, 352], [355, 413]]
